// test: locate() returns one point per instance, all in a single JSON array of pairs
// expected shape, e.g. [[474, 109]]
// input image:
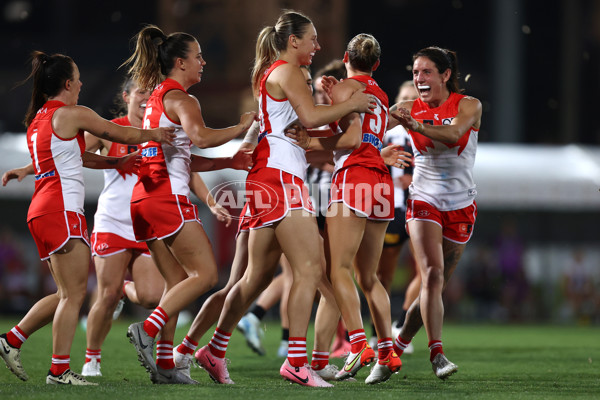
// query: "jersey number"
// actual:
[[378, 119], [146, 122], [35, 155]]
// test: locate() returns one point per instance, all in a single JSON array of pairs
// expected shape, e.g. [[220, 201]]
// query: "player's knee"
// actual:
[[433, 278], [149, 302]]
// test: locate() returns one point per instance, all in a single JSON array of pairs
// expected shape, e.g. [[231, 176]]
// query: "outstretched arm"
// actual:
[[469, 115], [187, 110], [68, 121], [128, 164], [241, 160], [17, 173]]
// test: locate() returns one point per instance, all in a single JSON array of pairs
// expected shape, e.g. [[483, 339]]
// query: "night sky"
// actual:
[[96, 40]]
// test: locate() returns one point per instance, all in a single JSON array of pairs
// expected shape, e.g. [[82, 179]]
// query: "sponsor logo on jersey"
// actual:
[[447, 121], [373, 140], [45, 175], [150, 152]]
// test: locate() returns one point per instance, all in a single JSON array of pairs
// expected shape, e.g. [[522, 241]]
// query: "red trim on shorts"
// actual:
[[106, 244], [159, 217], [377, 203], [52, 231], [272, 193]]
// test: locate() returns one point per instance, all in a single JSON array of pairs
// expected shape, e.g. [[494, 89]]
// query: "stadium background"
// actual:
[[533, 65]]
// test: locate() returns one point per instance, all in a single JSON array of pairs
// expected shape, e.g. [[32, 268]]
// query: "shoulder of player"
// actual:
[[285, 71], [345, 89], [75, 112], [180, 97], [470, 102]]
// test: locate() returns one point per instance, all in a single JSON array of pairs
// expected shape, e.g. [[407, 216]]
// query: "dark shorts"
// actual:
[[396, 234]]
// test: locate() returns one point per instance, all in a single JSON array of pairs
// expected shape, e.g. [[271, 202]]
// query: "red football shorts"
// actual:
[[272, 193], [367, 191], [457, 225], [52, 231], [106, 244], [159, 217]]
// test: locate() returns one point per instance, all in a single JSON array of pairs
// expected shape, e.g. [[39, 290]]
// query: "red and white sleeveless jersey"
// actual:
[[113, 213], [57, 164], [274, 149], [443, 173], [165, 168], [373, 130]]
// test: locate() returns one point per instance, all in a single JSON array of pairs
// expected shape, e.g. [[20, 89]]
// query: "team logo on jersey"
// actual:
[[465, 229], [422, 213]]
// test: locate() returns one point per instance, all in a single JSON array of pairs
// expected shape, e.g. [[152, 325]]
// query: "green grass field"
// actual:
[[495, 362]]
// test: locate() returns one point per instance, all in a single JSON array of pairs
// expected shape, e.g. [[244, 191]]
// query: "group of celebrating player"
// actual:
[[146, 221]]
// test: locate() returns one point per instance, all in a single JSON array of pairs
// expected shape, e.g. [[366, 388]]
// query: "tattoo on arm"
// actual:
[[106, 135]]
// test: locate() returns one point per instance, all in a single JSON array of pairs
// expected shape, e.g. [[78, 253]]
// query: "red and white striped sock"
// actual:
[[357, 339], [400, 344], [92, 355], [297, 352], [187, 346], [384, 348], [16, 337], [435, 348], [155, 322], [164, 354], [320, 359], [59, 364], [219, 342]]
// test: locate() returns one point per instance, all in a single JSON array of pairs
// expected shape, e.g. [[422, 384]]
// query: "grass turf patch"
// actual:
[[495, 362]]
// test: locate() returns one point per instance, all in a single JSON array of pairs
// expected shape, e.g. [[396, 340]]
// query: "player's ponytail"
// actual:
[[48, 75], [155, 54], [266, 54], [274, 39]]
